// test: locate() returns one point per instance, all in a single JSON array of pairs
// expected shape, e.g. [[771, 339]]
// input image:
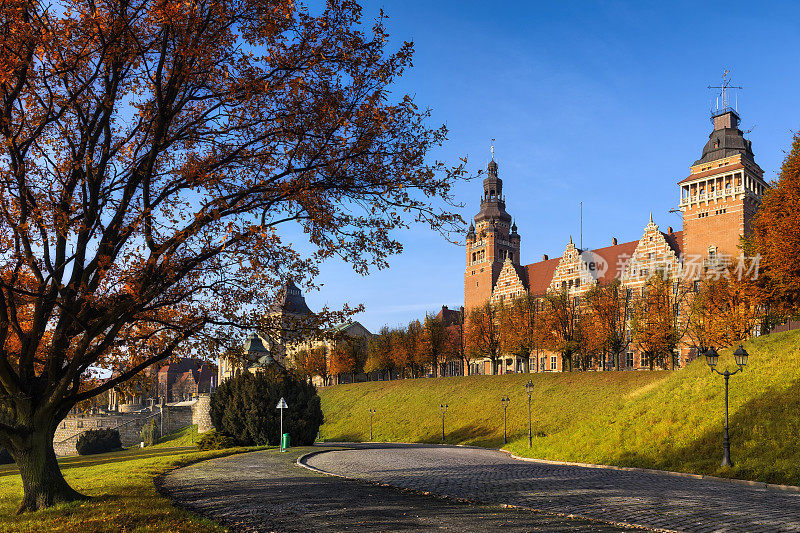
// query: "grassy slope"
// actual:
[[124, 497], [665, 420]]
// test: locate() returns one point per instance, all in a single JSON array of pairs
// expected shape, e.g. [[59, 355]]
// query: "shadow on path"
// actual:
[[266, 491]]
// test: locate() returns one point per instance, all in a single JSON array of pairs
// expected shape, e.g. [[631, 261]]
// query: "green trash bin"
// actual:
[[285, 441]]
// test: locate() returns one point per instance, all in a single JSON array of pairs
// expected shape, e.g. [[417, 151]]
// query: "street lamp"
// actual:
[[443, 409], [371, 412], [529, 391], [505, 400], [712, 357]]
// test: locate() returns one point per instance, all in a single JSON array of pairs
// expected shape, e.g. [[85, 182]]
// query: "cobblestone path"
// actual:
[[267, 491], [645, 499]]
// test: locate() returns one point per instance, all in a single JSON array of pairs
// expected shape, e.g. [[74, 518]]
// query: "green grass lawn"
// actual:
[[123, 495], [664, 420]]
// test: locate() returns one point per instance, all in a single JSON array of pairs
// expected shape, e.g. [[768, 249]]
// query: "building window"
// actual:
[[629, 359], [651, 255], [553, 362], [576, 301]]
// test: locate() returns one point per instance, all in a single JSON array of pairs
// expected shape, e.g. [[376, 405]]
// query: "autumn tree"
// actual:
[[432, 343], [348, 355], [413, 341], [775, 239], [661, 318], [379, 353], [561, 316], [726, 311], [610, 306], [455, 343], [151, 152], [312, 361], [520, 325], [483, 333], [401, 357]]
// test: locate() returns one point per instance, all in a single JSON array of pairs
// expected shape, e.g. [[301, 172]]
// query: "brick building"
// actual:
[[718, 200]]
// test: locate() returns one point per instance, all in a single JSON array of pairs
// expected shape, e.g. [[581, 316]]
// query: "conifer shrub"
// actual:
[[244, 408], [98, 441], [214, 440], [151, 433]]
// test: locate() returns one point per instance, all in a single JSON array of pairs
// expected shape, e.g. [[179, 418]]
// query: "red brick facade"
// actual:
[[718, 201]]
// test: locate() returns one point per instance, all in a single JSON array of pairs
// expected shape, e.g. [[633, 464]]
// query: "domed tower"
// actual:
[[490, 241], [721, 194]]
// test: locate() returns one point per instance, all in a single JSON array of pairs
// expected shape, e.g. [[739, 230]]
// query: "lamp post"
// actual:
[[505, 400], [443, 409], [712, 357], [371, 412], [529, 391]]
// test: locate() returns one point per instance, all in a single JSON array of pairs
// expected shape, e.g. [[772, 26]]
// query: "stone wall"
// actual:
[[201, 413], [129, 425]]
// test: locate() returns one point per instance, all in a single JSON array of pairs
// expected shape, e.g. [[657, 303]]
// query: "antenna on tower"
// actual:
[[723, 94]]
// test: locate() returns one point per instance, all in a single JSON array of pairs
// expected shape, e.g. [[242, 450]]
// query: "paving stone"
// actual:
[[266, 491], [646, 499]]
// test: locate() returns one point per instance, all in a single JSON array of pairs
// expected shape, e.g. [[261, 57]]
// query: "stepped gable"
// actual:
[[675, 241], [655, 250], [511, 282]]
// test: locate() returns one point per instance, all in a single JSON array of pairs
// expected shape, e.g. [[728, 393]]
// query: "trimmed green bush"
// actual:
[[98, 441], [244, 408], [5, 457], [151, 433], [212, 440]]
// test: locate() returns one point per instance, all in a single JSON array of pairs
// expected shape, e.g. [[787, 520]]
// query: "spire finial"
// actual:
[[722, 97], [570, 239], [651, 217], [492, 149]]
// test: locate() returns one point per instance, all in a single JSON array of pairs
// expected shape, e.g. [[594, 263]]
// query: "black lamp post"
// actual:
[[529, 391], [712, 357], [443, 409], [505, 400], [371, 412]]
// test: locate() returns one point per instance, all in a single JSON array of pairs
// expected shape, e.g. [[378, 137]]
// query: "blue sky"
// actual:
[[600, 102]]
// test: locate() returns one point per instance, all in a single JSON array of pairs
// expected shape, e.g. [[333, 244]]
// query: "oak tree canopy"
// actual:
[[151, 152]]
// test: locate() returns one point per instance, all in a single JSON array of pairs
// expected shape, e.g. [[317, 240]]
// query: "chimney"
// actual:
[[669, 229], [545, 257], [444, 308], [613, 241]]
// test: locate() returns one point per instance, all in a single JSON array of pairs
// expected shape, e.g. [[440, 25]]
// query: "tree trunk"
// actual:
[[42, 482]]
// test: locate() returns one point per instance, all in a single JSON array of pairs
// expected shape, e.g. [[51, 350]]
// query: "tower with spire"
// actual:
[[722, 192], [491, 240]]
